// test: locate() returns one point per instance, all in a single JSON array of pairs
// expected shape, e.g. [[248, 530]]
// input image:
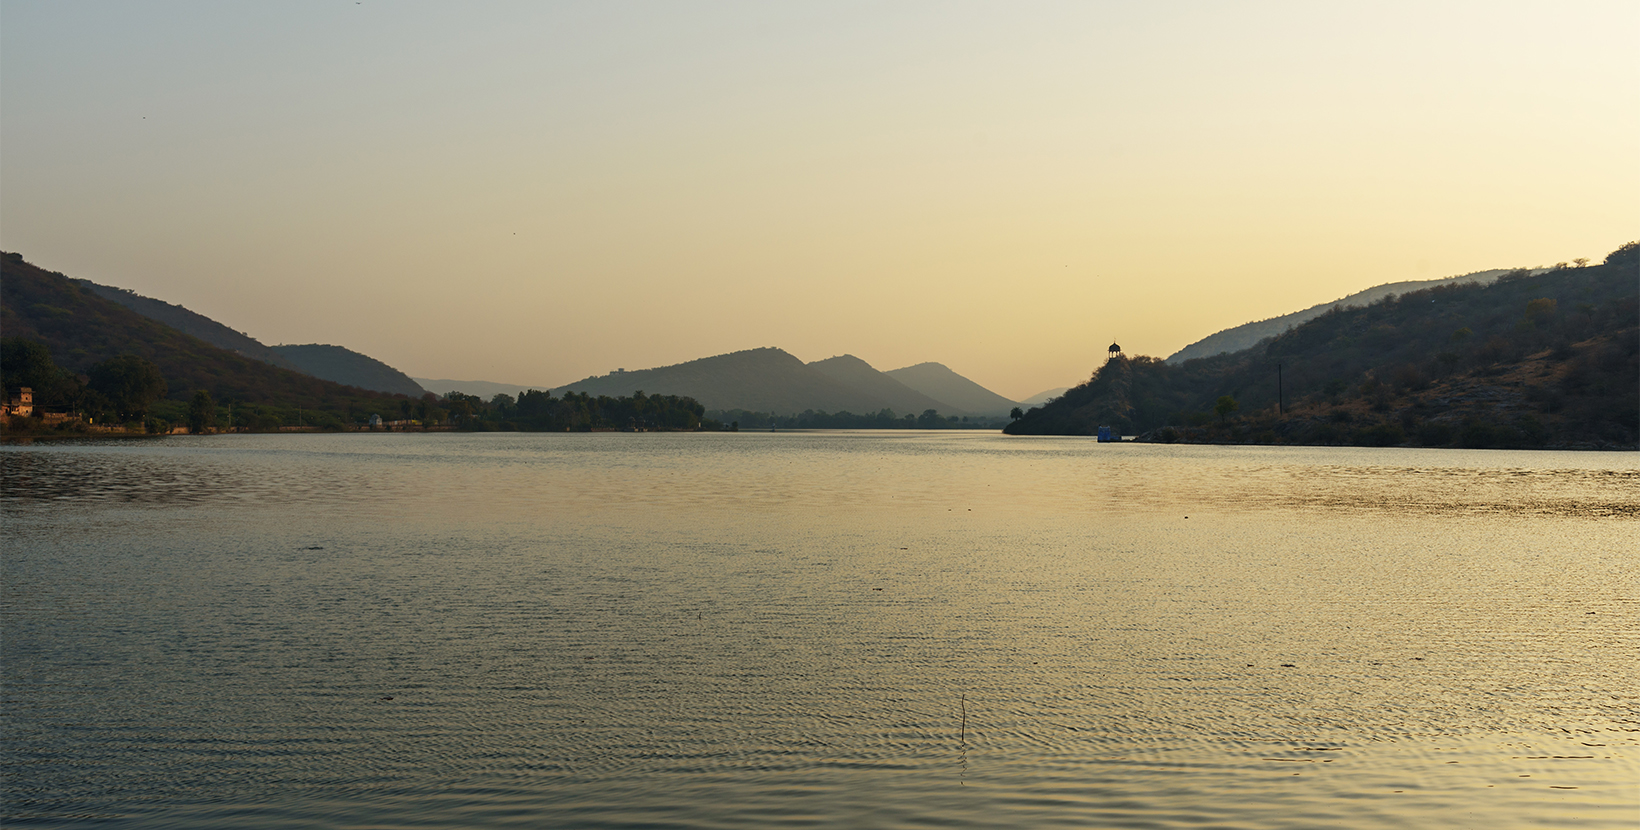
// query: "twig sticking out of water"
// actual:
[[962, 736]]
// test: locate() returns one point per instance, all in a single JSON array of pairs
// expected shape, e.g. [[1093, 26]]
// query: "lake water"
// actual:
[[895, 630]]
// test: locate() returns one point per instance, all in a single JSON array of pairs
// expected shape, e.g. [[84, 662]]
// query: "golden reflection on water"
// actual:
[[885, 470], [851, 630]]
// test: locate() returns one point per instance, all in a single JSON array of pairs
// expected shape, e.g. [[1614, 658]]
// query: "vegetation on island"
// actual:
[[1534, 359]]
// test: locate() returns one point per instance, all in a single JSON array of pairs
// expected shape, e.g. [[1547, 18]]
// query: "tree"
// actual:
[[1626, 254], [463, 407], [1540, 309], [503, 404], [201, 412], [1016, 413], [1225, 406], [130, 383], [26, 363]]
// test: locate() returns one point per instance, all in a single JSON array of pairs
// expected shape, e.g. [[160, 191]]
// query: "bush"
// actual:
[[1408, 376], [1435, 435]]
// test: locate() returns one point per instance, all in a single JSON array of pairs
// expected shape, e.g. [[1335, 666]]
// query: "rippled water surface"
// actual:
[[820, 630]]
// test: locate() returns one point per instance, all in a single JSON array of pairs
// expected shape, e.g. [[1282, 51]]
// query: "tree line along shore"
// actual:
[[1538, 358], [127, 395]]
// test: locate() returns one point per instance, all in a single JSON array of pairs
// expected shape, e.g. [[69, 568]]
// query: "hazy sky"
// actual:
[[534, 192]]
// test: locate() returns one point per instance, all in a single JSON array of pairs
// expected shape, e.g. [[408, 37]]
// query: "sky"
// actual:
[[535, 192]]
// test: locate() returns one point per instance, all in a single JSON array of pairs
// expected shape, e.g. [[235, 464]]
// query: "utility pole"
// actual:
[[1281, 403]]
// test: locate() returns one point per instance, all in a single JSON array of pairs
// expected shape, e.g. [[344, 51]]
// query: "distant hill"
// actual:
[[1247, 335], [856, 373], [1545, 359], [81, 328], [1043, 397], [938, 382], [485, 389], [758, 380], [189, 322], [347, 367]]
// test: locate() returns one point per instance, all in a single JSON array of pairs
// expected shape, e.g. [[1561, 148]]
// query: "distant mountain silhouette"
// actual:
[[758, 380], [1247, 335], [856, 373], [345, 366], [190, 322], [486, 389], [1043, 397], [938, 382]]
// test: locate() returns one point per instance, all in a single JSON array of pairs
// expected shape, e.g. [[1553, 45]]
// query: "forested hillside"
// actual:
[[1547, 359], [189, 322], [82, 331], [1248, 335]]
